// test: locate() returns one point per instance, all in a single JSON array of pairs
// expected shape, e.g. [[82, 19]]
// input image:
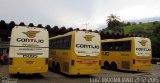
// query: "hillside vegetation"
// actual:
[[138, 27], [151, 30]]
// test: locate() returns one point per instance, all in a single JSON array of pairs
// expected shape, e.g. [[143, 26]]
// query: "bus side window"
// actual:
[[68, 42], [50, 44], [125, 46], [109, 46], [64, 42], [103, 46], [60, 43], [121, 46], [56, 43], [116, 45], [112, 46], [128, 45]]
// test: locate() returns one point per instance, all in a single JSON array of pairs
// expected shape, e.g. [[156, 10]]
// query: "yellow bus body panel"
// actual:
[[64, 57], [28, 66]]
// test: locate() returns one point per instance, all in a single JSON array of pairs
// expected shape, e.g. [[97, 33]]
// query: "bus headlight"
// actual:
[[134, 61], [46, 60], [72, 62], [99, 62], [10, 61]]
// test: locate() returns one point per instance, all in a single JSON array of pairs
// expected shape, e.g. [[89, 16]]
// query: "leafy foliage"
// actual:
[[114, 24], [152, 30], [113, 21]]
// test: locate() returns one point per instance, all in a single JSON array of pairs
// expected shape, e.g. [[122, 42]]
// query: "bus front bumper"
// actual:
[[27, 70], [141, 68], [84, 71]]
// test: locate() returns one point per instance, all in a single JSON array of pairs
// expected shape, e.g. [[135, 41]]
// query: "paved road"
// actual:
[[105, 76]]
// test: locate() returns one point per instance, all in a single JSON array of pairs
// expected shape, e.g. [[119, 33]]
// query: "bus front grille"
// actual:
[[125, 64], [66, 66]]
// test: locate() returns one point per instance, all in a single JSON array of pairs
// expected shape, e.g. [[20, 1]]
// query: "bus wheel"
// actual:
[[58, 68], [106, 65], [53, 67], [113, 66]]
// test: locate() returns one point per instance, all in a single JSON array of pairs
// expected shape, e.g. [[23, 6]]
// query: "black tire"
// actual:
[[36, 74], [113, 66], [106, 65], [53, 67], [58, 70]]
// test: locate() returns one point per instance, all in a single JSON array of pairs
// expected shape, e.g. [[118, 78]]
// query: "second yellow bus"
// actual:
[[75, 53]]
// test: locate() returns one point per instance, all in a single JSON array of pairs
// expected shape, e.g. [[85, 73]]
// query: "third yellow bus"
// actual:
[[131, 54]]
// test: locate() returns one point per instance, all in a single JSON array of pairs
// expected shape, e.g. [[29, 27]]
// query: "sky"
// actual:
[[76, 13]]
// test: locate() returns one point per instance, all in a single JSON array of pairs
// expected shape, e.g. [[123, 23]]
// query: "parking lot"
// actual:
[[106, 76]]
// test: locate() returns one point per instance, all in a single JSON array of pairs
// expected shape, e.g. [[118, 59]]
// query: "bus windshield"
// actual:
[[29, 43], [87, 43], [142, 46]]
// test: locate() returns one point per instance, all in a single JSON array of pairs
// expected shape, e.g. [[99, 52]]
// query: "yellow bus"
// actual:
[[131, 54], [75, 53], [29, 50]]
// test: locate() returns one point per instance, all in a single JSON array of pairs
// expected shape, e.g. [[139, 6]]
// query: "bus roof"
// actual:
[[29, 27], [66, 34], [121, 39]]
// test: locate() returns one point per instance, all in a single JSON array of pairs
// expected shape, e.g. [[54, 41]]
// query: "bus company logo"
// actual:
[[143, 42], [31, 34], [88, 37]]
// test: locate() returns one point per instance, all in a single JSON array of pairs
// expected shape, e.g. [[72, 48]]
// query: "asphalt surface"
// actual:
[[106, 76]]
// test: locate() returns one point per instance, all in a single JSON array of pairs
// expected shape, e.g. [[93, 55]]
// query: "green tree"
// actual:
[[114, 24], [113, 21], [113, 17]]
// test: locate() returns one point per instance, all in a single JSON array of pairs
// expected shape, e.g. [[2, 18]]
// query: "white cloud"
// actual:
[[75, 13], [139, 12]]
